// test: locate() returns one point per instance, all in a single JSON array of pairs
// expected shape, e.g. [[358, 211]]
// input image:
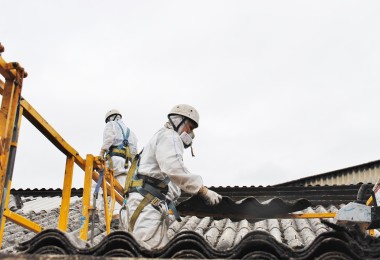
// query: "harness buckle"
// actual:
[[155, 201]]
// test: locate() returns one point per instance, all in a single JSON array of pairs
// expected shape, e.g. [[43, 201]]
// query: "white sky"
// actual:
[[285, 89]]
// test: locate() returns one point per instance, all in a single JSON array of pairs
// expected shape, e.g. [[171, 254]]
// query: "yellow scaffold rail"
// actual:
[[12, 107], [312, 215], [10, 114], [24, 222]]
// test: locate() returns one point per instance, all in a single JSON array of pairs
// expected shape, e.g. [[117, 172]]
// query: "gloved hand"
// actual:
[[211, 197], [102, 152], [99, 163]]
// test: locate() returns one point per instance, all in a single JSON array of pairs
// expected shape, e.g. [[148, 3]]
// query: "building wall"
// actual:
[[370, 175], [363, 173]]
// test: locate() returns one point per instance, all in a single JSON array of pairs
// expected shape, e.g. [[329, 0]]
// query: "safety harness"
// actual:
[[121, 150], [153, 190]]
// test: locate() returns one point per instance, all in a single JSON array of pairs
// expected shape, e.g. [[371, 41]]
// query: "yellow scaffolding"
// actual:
[[13, 107]]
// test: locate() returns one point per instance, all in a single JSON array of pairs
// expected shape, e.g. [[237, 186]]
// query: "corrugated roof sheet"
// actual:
[[203, 237], [335, 244], [220, 234]]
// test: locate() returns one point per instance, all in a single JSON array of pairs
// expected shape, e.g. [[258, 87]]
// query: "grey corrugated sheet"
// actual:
[[39, 204], [220, 234]]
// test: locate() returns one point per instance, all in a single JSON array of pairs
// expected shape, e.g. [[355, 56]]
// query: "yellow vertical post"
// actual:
[[6, 125], [10, 166], [66, 194], [105, 199], [112, 185], [9, 124], [84, 220]]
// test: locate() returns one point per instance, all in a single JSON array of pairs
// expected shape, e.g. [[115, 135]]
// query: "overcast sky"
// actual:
[[285, 89]]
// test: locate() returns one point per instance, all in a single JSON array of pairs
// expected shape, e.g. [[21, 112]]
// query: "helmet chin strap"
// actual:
[[176, 128], [111, 118], [192, 152]]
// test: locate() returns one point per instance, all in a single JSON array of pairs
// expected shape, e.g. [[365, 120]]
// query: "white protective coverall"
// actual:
[[161, 157], [113, 136]]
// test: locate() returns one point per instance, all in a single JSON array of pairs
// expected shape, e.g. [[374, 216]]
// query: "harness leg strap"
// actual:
[[147, 199]]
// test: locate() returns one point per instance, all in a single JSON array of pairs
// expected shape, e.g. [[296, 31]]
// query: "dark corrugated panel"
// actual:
[[339, 244], [45, 192], [228, 236], [248, 208]]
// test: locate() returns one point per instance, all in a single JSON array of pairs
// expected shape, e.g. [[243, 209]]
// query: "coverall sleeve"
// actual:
[[174, 192], [109, 135], [169, 157], [133, 143]]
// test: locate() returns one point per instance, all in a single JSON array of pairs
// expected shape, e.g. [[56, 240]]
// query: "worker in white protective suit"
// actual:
[[161, 162], [118, 149]]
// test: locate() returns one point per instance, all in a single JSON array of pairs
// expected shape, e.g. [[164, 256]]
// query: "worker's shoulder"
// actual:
[[166, 133]]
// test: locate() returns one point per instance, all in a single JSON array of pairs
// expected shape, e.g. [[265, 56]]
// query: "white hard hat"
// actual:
[[187, 111], [111, 113]]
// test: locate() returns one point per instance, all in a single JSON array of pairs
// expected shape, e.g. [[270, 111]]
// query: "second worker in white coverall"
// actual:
[[162, 169], [120, 146]]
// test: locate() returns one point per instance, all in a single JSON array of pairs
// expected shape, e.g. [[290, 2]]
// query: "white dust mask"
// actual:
[[186, 139]]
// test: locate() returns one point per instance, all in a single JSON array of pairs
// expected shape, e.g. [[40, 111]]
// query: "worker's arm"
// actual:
[[109, 135]]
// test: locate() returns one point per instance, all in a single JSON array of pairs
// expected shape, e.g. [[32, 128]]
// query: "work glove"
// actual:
[[102, 152], [211, 197], [99, 162]]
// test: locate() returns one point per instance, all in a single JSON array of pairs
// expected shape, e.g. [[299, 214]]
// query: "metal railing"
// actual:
[[13, 107]]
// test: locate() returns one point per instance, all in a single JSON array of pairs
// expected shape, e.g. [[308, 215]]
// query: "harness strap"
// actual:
[[154, 196], [149, 198], [123, 149], [100, 180], [113, 200], [125, 135], [110, 162], [129, 182], [152, 190], [160, 184], [125, 144], [117, 151], [149, 188], [174, 210]]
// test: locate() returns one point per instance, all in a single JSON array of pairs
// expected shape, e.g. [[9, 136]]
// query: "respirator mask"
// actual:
[[187, 138]]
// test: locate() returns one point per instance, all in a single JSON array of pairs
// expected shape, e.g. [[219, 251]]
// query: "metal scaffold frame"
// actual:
[[13, 107]]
